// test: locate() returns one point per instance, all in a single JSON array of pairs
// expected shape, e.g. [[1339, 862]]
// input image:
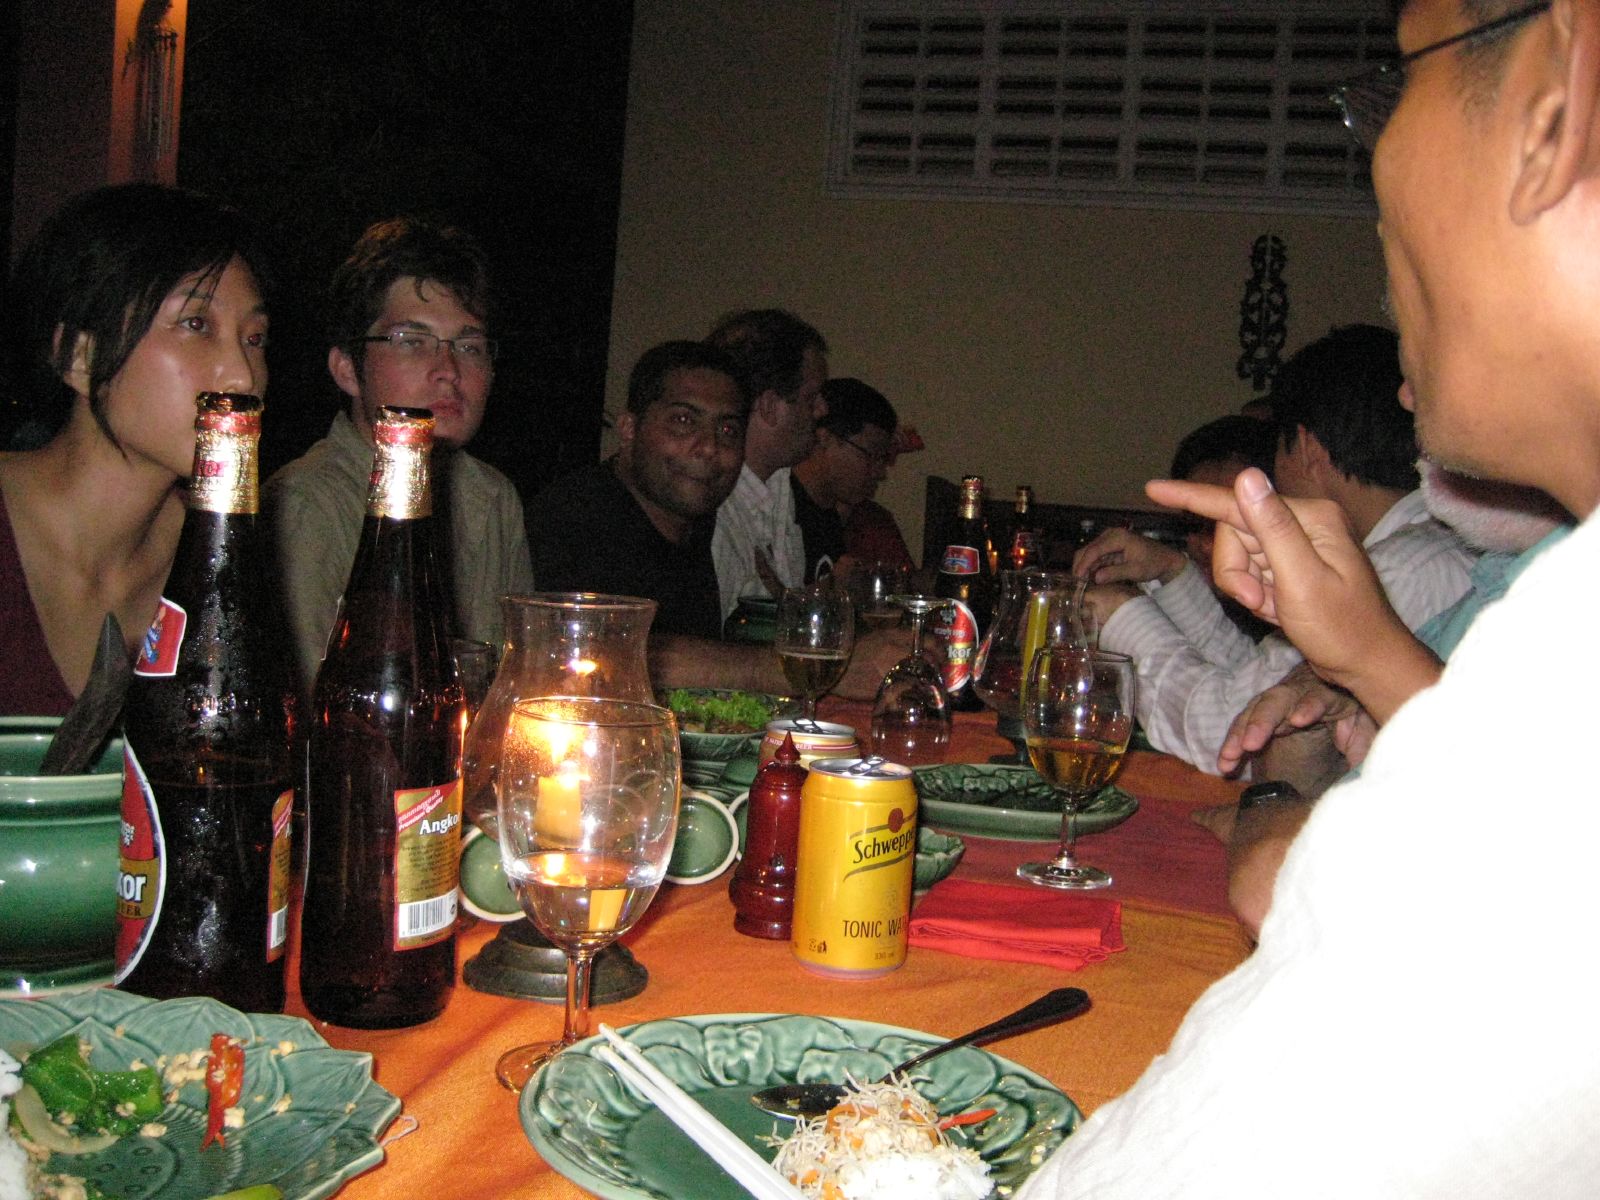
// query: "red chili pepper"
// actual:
[[975, 1117], [224, 1082]]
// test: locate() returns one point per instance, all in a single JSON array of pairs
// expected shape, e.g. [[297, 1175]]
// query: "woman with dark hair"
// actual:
[[130, 302]]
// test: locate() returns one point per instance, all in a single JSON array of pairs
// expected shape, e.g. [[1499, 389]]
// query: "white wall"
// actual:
[[1065, 347]]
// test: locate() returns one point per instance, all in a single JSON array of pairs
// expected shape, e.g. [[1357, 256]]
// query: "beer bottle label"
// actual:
[[142, 879], [278, 878], [427, 863], [158, 653], [958, 630], [959, 560]]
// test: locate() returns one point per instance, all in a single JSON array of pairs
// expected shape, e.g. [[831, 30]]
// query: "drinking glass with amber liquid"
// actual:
[[1077, 713], [588, 807], [815, 634]]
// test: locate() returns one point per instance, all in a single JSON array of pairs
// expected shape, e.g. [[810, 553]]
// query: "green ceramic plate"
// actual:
[[1010, 802], [326, 1135], [590, 1127]]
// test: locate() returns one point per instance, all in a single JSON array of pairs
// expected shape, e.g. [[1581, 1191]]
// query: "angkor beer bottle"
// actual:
[[203, 894], [1024, 551], [966, 576], [377, 929]]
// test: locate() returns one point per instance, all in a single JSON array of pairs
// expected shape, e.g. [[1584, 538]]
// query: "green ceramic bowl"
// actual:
[[709, 757], [58, 864]]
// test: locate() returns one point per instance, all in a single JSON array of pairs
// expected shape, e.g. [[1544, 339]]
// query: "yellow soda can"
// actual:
[[856, 858]]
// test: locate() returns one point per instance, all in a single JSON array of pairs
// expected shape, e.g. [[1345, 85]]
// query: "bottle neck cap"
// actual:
[[971, 506], [401, 485], [227, 434]]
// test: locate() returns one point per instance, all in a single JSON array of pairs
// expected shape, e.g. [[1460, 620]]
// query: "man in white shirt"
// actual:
[[1342, 436], [758, 547], [1410, 1025]]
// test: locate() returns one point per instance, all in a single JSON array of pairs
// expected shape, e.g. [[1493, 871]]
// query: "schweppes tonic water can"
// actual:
[[857, 854]]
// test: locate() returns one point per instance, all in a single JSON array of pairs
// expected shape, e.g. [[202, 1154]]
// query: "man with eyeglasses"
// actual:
[[408, 326], [1419, 1016], [855, 442], [758, 547]]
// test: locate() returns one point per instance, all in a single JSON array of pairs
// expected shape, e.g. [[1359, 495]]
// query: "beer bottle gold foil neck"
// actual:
[[971, 497], [401, 483], [227, 435]]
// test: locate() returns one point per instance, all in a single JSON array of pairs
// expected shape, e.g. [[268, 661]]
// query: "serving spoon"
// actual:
[[791, 1101]]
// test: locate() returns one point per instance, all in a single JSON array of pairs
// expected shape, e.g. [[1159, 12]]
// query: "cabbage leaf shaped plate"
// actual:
[[1004, 801], [591, 1128], [326, 1133]]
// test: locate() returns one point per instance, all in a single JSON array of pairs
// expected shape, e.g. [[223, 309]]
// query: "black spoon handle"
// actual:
[[1046, 1010]]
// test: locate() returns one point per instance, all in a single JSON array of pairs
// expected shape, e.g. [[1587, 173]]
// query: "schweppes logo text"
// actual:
[[882, 845]]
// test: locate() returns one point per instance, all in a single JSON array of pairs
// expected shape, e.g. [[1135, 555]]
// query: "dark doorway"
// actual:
[[503, 116]]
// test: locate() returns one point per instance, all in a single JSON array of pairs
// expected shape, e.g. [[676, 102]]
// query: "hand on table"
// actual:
[[876, 651], [1123, 556], [1300, 700]]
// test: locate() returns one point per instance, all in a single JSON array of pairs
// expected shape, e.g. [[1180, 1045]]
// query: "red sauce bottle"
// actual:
[[762, 888]]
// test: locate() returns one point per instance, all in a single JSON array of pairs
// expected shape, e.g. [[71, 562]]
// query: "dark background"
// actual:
[[319, 117]]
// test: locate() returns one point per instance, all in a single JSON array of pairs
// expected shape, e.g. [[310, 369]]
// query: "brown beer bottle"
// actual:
[[966, 576], [203, 893], [378, 926], [1024, 552]]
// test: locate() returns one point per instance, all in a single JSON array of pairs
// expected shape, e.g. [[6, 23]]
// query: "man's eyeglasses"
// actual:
[[1368, 101], [878, 458], [470, 350]]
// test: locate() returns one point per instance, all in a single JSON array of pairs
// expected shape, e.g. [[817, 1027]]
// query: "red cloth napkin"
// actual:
[[1013, 924]]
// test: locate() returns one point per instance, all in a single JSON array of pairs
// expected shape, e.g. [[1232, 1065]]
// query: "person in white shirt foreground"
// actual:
[[1418, 1019], [1342, 436]]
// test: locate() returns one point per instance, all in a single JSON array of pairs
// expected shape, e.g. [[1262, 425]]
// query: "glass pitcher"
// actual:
[[1036, 608], [557, 644]]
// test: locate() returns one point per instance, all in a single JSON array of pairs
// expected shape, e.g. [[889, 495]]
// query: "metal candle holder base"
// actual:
[[521, 963]]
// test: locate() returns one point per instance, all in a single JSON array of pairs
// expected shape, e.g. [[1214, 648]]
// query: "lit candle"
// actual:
[[559, 815]]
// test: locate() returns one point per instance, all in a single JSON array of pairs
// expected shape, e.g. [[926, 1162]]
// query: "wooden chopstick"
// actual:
[[752, 1172]]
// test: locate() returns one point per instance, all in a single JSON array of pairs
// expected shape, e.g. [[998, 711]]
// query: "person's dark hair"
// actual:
[[852, 405], [648, 381], [401, 248], [1233, 438], [101, 267], [1344, 389], [769, 345]]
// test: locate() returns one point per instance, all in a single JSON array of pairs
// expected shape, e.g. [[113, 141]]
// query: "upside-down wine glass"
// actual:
[[588, 806], [1077, 712], [815, 633], [911, 713]]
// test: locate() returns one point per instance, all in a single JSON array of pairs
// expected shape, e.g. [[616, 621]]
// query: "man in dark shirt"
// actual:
[[640, 524], [851, 458]]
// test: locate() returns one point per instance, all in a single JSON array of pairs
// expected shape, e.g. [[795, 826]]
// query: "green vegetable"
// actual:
[[116, 1102], [730, 712], [261, 1191]]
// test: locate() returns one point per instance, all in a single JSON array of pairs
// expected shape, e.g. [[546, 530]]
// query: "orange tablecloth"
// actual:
[[469, 1142]]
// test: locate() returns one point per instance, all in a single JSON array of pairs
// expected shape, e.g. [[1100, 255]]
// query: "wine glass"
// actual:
[[1077, 712], [815, 634], [588, 807], [911, 713], [878, 590]]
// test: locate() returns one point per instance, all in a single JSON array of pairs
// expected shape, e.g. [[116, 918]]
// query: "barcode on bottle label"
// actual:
[[422, 917], [277, 928]]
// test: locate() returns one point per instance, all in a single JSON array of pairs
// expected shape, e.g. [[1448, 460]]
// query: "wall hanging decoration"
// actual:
[[1264, 313], [153, 58]]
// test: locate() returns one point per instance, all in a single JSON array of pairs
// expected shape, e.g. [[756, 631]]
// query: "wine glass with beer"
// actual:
[[815, 633], [588, 807], [1077, 714]]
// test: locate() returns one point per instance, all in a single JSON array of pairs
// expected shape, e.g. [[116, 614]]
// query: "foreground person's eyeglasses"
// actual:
[[1368, 101]]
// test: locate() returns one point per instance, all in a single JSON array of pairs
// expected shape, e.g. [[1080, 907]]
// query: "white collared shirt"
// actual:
[[757, 516]]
